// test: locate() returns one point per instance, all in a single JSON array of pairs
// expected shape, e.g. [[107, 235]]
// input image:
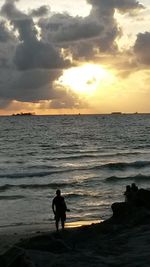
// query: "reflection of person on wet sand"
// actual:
[[59, 209]]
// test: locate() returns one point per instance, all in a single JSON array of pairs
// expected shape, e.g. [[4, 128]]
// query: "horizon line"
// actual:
[[79, 114]]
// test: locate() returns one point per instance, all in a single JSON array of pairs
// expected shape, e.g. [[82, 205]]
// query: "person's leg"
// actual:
[[63, 219], [62, 223], [57, 222]]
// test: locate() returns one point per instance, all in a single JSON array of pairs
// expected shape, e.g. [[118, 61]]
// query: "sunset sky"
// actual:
[[68, 57]]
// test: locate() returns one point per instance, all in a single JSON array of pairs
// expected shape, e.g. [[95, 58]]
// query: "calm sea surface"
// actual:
[[90, 158]]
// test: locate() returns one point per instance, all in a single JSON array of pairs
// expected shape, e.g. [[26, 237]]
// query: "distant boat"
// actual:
[[24, 114], [116, 113]]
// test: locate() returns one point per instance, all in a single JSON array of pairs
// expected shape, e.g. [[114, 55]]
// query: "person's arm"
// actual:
[[66, 209], [53, 206]]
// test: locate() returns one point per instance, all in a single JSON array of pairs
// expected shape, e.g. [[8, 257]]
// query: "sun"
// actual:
[[84, 79]]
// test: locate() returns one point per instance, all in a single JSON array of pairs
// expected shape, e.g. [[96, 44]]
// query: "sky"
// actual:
[[70, 57]]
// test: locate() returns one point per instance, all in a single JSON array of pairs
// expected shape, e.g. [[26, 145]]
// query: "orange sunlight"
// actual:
[[85, 79]]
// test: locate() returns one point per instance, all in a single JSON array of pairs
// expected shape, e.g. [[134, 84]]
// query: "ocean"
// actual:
[[91, 158]]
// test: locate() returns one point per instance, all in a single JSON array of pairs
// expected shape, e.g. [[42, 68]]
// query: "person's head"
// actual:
[[128, 188], [134, 187], [58, 192]]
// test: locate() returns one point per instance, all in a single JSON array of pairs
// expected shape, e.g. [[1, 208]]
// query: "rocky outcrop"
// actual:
[[143, 198], [136, 211]]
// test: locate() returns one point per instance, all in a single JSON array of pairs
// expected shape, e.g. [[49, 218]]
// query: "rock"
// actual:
[[133, 211], [121, 209], [143, 198]]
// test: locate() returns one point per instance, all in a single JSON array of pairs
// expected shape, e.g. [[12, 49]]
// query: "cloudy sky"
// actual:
[[68, 57]]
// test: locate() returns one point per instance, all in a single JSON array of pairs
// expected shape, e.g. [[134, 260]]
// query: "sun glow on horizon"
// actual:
[[85, 79]]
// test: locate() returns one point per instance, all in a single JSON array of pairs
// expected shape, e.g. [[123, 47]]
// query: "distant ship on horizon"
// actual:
[[116, 113], [24, 114]]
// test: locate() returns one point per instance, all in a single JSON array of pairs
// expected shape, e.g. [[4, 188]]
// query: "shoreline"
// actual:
[[11, 235], [109, 243], [121, 240]]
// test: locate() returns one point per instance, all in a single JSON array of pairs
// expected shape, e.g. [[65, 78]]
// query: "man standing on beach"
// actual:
[[59, 209]]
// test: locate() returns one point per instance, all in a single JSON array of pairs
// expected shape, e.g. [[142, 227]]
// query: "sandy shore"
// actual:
[[105, 244], [118, 241], [9, 236]]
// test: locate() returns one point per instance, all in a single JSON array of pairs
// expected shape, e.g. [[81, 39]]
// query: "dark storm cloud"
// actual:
[[41, 11], [34, 85], [20, 21], [127, 5], [83, 49], [96, 32], [7, 51], [64, 28], [104, 11], [28, 86], [31, 53], [142, 48], [36, 54], [121, 5], [28, 66], [67, 30], [10, 10]]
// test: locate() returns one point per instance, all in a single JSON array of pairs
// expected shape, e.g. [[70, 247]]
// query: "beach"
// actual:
[[122, 240], [11, 235]]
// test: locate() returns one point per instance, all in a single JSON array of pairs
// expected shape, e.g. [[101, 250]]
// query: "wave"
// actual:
[[92, 154], [30, 174], [21, 175], [75, 195], [123, 165], [36, 186], [108, 166], [44, 166], [138, 177], [12, 197], [79, 156], [69, 157], [5, 187]]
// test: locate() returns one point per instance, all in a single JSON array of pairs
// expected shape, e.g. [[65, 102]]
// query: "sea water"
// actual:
[[91, 158]]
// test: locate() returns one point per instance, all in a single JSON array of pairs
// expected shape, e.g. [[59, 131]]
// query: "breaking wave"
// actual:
[[138, 177], [36, 186], [13, 197], [125, 165]]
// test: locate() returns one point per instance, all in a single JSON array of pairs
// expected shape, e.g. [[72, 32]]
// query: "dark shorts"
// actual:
[[60, 216]]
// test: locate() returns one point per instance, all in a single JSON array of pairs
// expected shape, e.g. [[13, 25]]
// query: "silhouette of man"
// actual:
[[128, 194], [59, 209]]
